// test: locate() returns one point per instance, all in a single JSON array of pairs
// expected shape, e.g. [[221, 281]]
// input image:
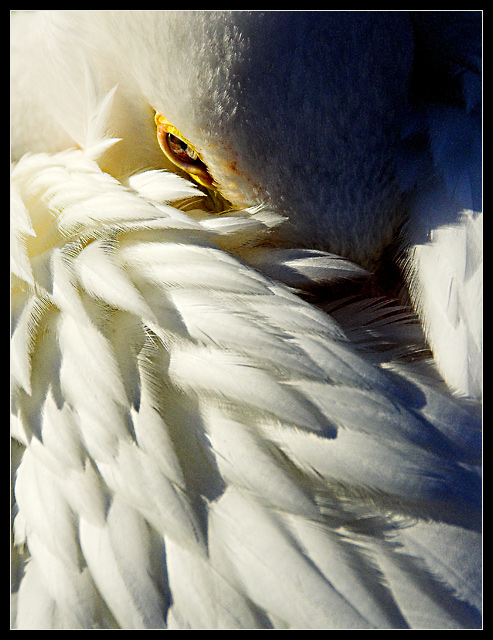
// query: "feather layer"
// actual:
[[203, 448]]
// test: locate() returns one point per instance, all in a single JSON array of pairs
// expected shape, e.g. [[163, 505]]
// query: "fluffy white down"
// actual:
[[195, 446]]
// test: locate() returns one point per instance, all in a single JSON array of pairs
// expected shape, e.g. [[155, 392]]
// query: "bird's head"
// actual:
[[296, 111]]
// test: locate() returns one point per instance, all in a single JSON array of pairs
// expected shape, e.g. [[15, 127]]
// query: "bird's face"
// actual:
[[295, 111]]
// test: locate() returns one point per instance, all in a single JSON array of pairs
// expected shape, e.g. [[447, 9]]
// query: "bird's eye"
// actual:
[[177, 149], [181, 149]]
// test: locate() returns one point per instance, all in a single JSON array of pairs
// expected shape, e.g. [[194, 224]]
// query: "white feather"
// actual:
[[202, 598], [126, 579], [20, 226], [207, 411], [444, 231], [447, 282], [298, 267], [101, 278], [196, 445], [161, 186], [261, 554]]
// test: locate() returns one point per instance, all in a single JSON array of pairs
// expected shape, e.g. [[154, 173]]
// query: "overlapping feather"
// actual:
[[204, 449]]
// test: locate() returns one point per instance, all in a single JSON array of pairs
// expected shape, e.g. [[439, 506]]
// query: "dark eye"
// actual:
[[177, 149], [181, 149]]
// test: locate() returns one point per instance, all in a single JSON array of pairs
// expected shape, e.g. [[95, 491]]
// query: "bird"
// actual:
[[246, 313]]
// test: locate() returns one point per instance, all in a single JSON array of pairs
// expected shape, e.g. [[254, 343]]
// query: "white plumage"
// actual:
[[208, 433]]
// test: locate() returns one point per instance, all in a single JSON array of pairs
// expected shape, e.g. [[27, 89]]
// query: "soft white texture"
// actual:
[[196, 446], [170, 391], [447, 273]]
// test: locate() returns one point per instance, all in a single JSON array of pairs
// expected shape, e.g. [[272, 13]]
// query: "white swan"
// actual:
[[197, 443]]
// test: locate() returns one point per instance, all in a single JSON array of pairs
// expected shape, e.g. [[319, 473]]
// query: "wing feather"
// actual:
[[207, 449]]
